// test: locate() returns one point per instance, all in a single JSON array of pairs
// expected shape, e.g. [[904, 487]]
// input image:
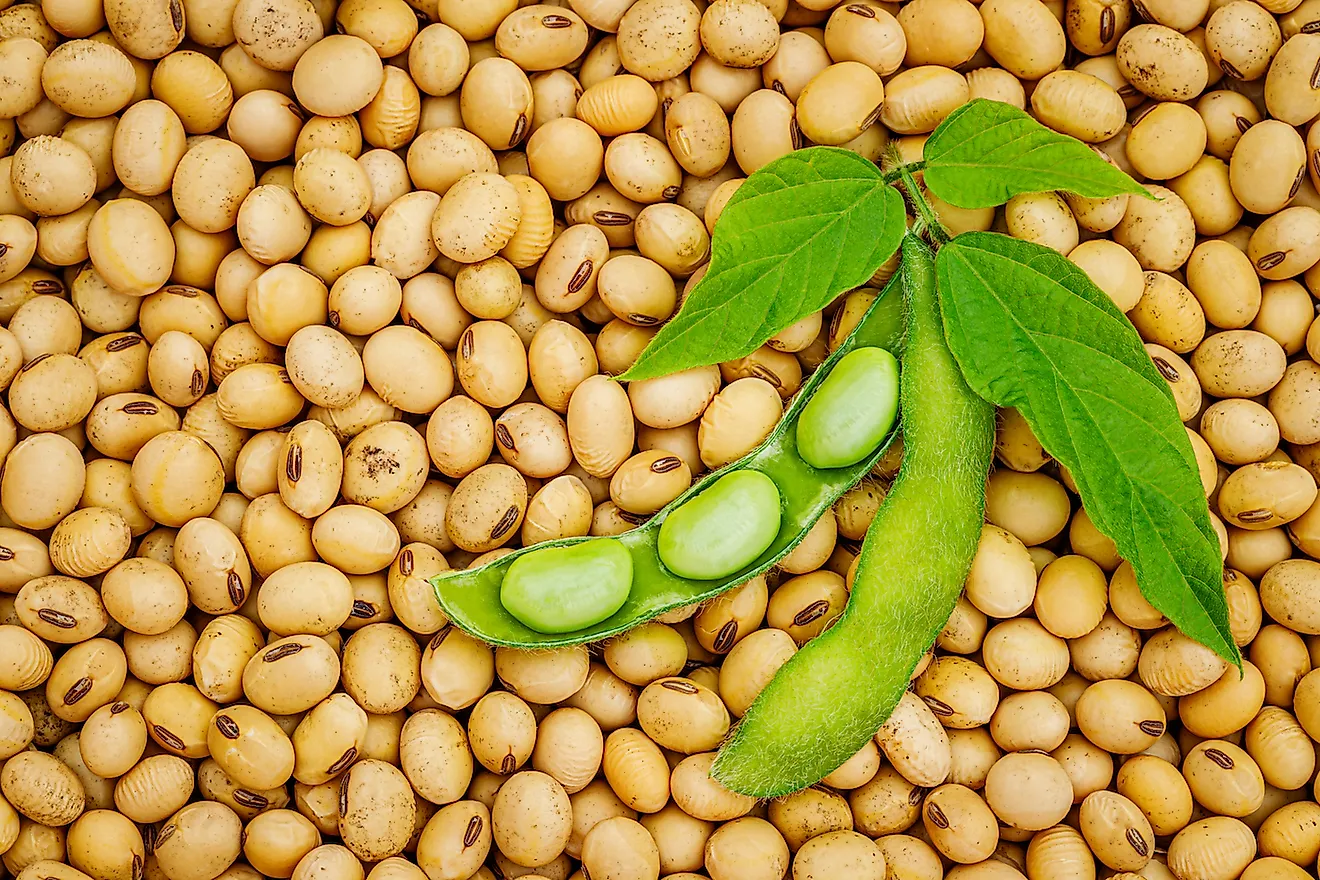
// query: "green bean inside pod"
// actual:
[[538, 610], [722, 530], [562, 589]]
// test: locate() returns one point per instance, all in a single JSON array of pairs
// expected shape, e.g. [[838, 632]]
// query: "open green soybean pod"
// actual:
[[471, 598]]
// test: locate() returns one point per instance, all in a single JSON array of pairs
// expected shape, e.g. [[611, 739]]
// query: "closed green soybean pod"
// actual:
[[913, 563], [543, 596]]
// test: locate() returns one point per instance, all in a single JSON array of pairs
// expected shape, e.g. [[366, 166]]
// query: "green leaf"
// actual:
[[1030, 330], [796, 234], [986, 152]]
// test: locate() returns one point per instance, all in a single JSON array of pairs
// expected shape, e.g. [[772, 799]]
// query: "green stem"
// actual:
[[925, 212], [832, 696], [894, 175]]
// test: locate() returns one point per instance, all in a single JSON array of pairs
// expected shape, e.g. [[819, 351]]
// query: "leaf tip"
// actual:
[[1234, 657]]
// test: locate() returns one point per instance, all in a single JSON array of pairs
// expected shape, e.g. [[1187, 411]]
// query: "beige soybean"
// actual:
[[356, 539], [698, 133], [130, 247], [1281, 248], [496, 102], [1277, 742], [42, 788], [565, 156], [674, 237], [1285, 309], [477, 217], [222, 651], [22, 61], [380, 668], [384, 467], [276, 840], [1071, 596], [1211, 848], [1223, 778], [840, 102], [532, 818], [1117, 831], [460, 436], [1266, 494], [618, 105], [702, 797], [305, 597], [291, 675], [211, 560], [1031, 720], [681, 715], [918, 99], [1267, 166], [805, 606], [178, 368], [659, 39], [250, 747], [210, 182], [1225, 706], [635, 769], [600, 426], [43, 481], [486, 508], [491, 363], [567, 276], [157, 787], [60, 609], [361, 301], [1025, 41], [673, 400], [1079, 105], [959, 824], [455, 840], [1287, 96], [34, 401], [328, 739], [324, 366], [456, 668], [337, 75], [1173, 665], [434, 755], [401, 242], [501, 732], [915, 743], [648, 481], [569, 748], [1002, 580], [559, 358], [533, 439]]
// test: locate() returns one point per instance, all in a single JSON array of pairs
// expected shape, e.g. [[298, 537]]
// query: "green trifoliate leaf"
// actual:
[[1030, 330], [986, 152], [795, 235]]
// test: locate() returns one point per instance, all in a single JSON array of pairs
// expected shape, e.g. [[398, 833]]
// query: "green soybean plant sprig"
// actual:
[[990, 320]]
